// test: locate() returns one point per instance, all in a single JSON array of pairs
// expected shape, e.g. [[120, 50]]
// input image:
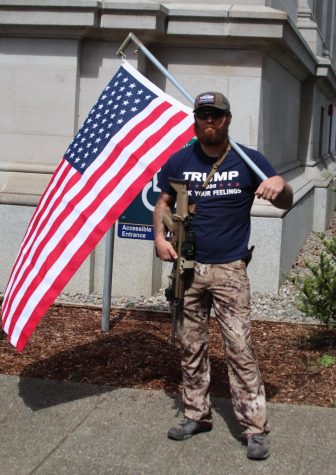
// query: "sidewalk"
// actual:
[[50, 427]]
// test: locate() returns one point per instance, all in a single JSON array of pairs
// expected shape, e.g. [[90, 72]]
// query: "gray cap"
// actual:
[[212, 99]]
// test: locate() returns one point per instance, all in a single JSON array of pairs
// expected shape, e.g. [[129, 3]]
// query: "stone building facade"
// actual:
[[274, 59]]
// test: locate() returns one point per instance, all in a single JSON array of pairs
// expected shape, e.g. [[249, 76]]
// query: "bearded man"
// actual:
[[221, 226]]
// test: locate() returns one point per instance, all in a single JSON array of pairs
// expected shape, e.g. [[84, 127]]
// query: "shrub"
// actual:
[[317, 290]]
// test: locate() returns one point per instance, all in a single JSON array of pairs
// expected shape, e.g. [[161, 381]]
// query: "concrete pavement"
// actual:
[[50, 427]]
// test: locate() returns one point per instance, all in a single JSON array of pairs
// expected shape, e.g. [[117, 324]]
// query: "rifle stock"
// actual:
[[182, 240]]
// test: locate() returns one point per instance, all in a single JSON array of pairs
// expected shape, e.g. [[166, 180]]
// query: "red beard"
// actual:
[[211, 135]]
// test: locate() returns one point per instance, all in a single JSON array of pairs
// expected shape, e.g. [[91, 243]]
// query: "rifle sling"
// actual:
[[215, 166]]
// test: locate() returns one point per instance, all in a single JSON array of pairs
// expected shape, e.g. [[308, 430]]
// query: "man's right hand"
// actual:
[[165, 250]]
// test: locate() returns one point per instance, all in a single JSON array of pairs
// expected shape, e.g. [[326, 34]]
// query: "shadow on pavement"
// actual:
[[43, 393]]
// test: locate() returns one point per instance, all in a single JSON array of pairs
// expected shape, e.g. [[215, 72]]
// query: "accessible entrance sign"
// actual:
[[137, 220]]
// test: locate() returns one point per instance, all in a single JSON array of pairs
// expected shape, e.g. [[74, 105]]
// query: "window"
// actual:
[[321, 132]]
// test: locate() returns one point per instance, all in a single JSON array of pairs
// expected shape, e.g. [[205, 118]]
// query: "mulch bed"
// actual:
[[69, 345]]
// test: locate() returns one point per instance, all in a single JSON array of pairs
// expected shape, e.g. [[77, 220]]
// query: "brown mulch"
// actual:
[[69, 345]]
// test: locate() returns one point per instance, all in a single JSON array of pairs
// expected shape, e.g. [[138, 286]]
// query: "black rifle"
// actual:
[[182, 238]]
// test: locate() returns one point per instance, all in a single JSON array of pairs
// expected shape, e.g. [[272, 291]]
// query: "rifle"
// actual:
[[182, 240]]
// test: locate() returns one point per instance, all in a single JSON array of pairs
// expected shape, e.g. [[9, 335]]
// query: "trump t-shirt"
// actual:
[[222, 220]]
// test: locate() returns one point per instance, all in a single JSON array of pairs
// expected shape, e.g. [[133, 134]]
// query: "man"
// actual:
[[222, 228]]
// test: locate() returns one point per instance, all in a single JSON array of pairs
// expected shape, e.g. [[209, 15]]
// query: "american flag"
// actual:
[[128, 135]]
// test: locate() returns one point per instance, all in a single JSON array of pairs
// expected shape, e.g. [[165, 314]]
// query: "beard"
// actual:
[[210, 135]]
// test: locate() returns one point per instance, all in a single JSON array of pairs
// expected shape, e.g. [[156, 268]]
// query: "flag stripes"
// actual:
[[77, 209]]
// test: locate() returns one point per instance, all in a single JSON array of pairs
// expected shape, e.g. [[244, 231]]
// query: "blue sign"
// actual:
[[137, 220]]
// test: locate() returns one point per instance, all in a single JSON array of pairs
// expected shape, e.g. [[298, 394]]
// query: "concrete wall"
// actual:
[[34, 72], [56, 58], [279, 118], [289, 6]]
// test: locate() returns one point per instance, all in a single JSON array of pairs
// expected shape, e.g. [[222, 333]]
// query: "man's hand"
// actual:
[[165, 250], [271, 188], [277, 191]]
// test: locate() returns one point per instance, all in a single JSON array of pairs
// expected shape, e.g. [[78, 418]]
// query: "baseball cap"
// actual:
[[212, 99]]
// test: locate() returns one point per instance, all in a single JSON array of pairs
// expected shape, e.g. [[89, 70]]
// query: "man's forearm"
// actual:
[[159, 227]]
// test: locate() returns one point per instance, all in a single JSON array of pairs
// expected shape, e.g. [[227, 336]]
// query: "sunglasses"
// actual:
[[204, 114]]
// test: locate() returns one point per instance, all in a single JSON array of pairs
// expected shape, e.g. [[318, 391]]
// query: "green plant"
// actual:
[[327, 360], [317, 290]]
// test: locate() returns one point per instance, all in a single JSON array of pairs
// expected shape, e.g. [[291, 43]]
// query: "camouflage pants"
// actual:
[[226, 287]]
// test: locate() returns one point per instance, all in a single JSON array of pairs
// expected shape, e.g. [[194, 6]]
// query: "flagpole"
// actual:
[[109, 248], [151, 57]]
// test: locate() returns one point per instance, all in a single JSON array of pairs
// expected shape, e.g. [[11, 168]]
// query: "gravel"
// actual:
[[273, 307]]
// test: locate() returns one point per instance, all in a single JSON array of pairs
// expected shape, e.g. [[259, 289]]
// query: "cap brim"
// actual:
[[211, 106]]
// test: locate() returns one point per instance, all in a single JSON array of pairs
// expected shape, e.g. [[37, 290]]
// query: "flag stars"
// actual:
[[120, 101]]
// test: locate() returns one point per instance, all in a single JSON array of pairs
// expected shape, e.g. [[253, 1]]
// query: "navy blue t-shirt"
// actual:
[[222, 220]]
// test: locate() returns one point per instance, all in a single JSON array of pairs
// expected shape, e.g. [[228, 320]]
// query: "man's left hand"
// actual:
[[277, 191], [271, 188]]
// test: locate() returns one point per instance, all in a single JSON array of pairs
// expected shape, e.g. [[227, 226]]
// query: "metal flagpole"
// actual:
[[109, 248], [110, 235]]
